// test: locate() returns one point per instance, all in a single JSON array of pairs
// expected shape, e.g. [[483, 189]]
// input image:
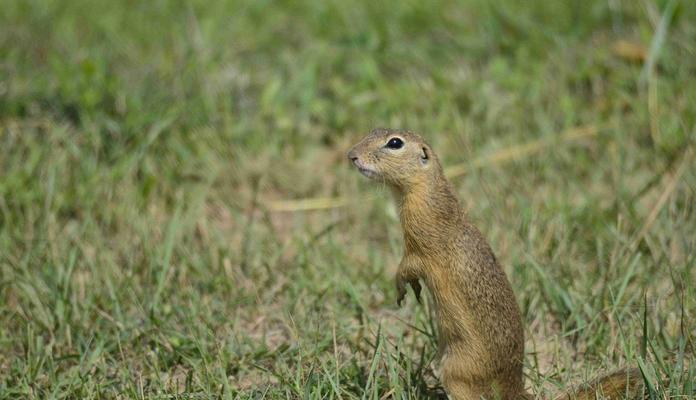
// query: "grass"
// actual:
[[152, 155]]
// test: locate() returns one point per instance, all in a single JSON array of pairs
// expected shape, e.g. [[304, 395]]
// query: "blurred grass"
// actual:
[[141, 143]]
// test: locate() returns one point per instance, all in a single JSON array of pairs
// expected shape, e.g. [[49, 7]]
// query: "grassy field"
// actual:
[[178, 220]]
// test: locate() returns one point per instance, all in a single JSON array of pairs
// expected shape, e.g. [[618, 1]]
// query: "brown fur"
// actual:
[[481, 339]]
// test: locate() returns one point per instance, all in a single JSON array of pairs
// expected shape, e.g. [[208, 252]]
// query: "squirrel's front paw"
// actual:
[[401, 289], [416, 289]]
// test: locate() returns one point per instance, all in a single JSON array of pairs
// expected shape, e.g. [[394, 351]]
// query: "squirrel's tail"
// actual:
[[625, 383]]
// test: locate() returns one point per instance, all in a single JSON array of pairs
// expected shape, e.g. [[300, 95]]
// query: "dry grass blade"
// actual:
[[319, 203], [671, 181], [520, 151], [629, 51]]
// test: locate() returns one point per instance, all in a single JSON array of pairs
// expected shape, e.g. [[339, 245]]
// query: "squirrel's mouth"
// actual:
[[367, 172], [370, 173]]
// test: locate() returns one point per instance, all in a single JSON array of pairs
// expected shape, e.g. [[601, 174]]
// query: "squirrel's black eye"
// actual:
[[395, 143]]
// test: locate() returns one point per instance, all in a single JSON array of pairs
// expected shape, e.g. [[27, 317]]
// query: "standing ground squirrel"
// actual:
[[481, 339]]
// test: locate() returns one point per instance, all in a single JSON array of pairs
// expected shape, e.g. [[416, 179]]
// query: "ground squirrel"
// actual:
[[481, 339]]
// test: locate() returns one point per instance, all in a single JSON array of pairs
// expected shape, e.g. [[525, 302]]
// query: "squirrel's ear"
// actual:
[[424, 155]]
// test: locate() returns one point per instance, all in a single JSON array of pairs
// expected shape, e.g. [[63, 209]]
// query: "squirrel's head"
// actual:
[[399, 158]]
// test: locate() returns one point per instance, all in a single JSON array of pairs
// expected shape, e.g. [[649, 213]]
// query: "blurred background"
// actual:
[[177, 216]]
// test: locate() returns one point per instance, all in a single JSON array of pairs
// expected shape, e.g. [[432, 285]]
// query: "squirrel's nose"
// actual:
[[352, 156]]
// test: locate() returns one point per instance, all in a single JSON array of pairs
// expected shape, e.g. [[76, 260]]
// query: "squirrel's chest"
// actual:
[[431, 242]]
